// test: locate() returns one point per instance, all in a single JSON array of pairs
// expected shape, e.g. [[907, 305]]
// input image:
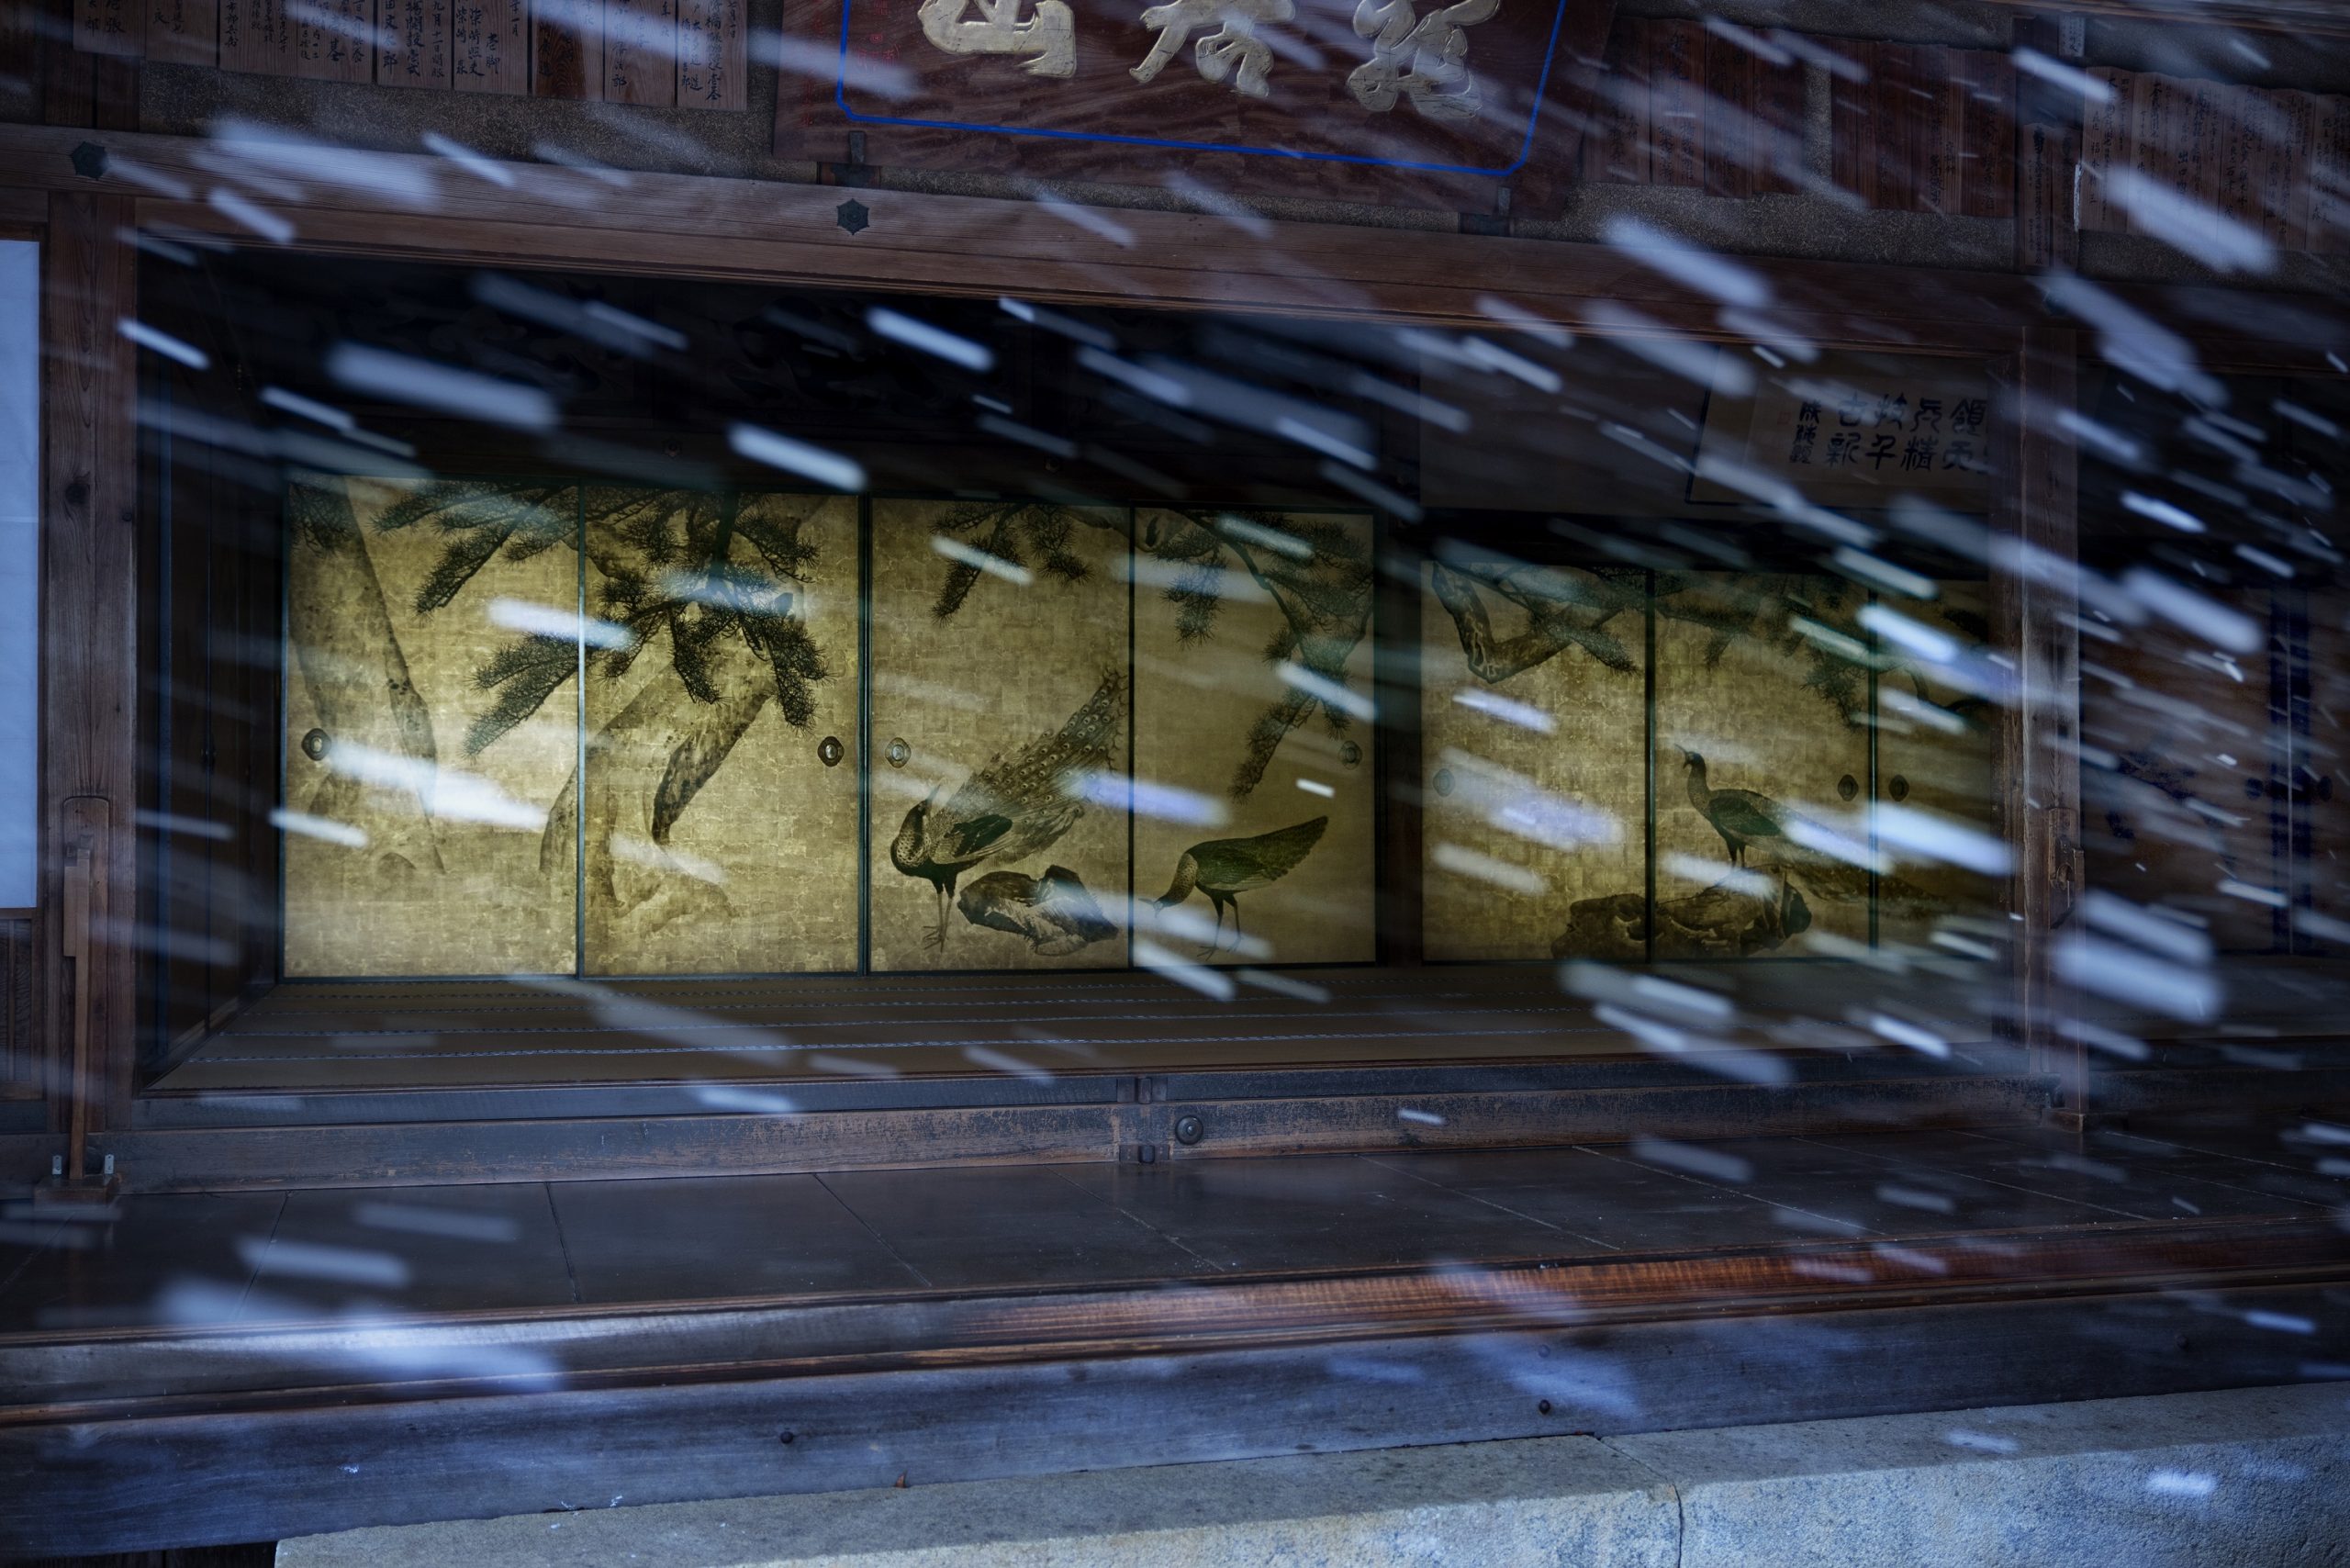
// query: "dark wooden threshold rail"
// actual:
[[91, 1376], [424, 1153], [263, 1433]]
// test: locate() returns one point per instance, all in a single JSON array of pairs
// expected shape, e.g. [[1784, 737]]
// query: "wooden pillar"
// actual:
[[89, 632], [2048, 151], [2036, 603], [2048, 146]]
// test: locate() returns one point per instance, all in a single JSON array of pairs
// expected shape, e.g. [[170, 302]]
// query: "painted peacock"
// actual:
[[1019, 804], [1053, 913], [1223, 869]]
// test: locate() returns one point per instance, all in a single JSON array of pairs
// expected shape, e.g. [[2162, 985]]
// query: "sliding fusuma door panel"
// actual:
[[1533, 729], [1255, 788], [721, 831], [1002, 697], [431, 725], [1761, 764], [568, 728]]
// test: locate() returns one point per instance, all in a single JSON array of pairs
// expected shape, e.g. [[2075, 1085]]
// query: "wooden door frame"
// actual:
[[2036, 759], [98, 184], [88, 678]]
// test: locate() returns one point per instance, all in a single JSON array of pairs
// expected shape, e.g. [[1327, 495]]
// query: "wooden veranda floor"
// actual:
[[200, 1260], [357, 1037], [234, 1366], [375, 1034]]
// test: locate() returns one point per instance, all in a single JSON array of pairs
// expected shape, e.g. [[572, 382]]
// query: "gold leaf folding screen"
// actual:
[[1625, 765], [568, 728], [446, 702], [578, 728], [403, 856]]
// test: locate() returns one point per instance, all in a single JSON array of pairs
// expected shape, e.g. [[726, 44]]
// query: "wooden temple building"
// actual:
[[754, 746]]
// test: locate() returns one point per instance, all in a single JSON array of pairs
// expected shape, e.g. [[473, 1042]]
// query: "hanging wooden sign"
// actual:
[[1337, 96], [1853, 431]]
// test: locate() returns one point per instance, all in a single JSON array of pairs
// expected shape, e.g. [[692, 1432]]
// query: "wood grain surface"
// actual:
[[230, 1475], [2038, 758], [969, 245], [906, 102], [89, 674]]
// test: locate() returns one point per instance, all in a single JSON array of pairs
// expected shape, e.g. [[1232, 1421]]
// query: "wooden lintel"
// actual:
[[350, 201], [390, 204]]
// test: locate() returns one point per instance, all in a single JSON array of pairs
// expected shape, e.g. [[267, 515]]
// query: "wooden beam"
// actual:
[[168, 1108], [1325, 1125], [354, 202], [348, 201], [89, 594], [187, 1158], [2321, 17], [2036, 605]]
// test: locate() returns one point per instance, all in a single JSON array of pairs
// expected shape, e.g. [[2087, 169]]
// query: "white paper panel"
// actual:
[[19, 567]]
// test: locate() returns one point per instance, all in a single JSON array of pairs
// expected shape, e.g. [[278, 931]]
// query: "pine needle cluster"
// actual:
[[1031, 535], [700, 566]]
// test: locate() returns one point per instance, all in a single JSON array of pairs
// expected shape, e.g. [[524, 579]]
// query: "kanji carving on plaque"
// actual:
[[1233, 49], [1049, 35], [1421, 58]]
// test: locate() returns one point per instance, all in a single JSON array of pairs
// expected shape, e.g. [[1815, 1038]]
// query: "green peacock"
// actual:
[[1019, 804], [1223, 869]]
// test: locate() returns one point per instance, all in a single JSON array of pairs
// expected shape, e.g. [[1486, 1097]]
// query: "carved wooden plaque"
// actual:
[[1444, 105]]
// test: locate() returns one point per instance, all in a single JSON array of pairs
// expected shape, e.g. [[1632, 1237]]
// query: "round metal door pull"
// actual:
[[314, 746], [1189, 1130], [829, 751]]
